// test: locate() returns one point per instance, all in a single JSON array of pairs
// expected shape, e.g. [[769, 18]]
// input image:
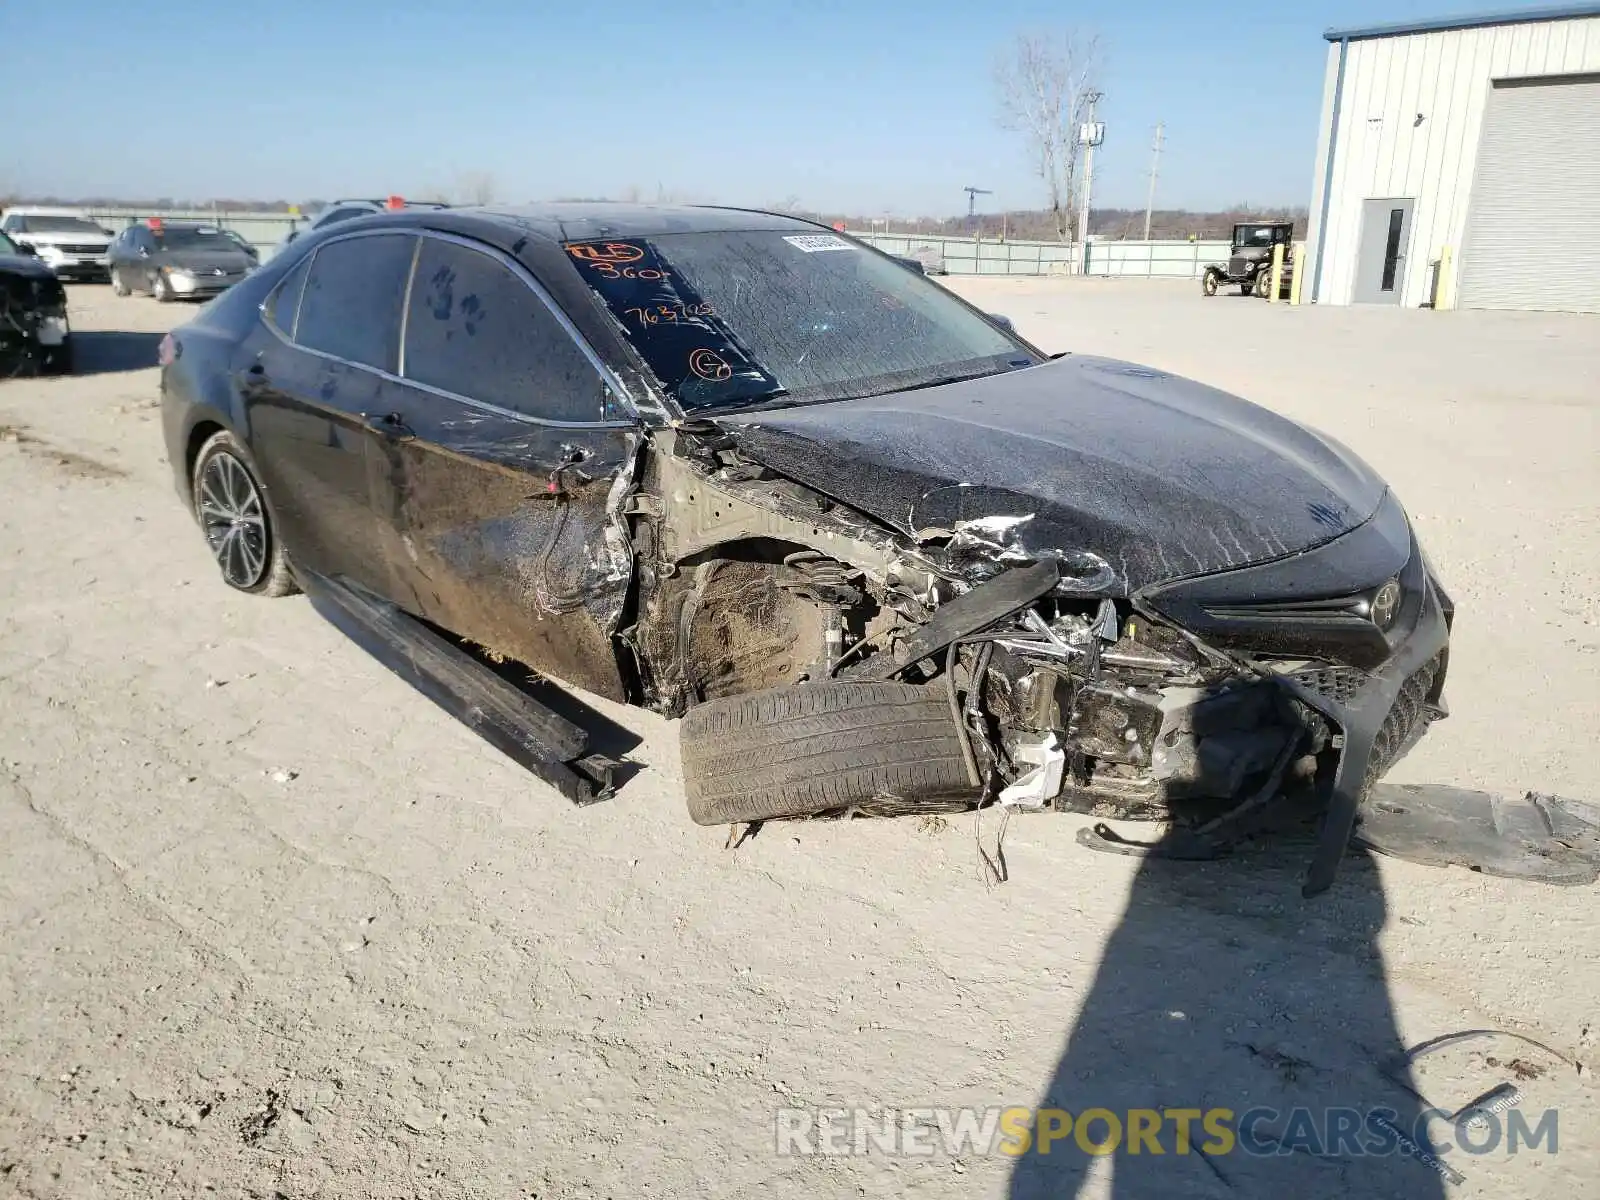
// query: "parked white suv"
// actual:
[[65, 240]]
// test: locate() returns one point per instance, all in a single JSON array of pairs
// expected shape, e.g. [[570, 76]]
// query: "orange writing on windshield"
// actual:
[[708, 364], [606, 252]]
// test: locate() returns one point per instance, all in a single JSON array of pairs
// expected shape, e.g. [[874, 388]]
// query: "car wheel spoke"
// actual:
[[234, 520]]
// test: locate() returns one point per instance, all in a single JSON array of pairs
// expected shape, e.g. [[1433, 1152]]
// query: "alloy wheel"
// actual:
[[234, 520]]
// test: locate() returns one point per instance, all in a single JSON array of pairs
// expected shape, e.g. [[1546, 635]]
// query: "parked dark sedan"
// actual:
[[178, 260], [34, 333], [880, 552]]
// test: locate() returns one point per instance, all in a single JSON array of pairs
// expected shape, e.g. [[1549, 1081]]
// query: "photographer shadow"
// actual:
[[1222, 989]]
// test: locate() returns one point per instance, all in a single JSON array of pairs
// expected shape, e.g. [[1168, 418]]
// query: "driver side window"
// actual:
[[476, 329]]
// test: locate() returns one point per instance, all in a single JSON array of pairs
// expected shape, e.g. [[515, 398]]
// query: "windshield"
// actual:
[[732, 318], [62, 225], [177, 237], [1252, 235]]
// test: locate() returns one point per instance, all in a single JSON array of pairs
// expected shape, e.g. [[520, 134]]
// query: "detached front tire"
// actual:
[[231, 506], [817, 747]]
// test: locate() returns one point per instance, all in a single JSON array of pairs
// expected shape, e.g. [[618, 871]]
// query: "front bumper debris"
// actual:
[[1379, 720]]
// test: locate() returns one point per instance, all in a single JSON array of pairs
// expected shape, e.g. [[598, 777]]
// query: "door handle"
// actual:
[[390, 425]]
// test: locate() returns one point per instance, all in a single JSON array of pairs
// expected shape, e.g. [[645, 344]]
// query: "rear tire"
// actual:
[[231, 506], [161, 289], [799, 751]]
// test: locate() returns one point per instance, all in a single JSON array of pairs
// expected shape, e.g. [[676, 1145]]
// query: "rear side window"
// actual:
[[352, 299], [476, 329], [285, 301]]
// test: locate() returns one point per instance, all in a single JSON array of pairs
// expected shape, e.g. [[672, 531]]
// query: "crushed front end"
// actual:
[[1202, 701], [1196, 702], [34, 331]]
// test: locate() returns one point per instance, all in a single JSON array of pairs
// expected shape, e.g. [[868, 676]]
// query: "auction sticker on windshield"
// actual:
[[813, 243]]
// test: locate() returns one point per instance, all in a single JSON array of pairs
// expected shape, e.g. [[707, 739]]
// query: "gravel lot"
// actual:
[[273, 925]]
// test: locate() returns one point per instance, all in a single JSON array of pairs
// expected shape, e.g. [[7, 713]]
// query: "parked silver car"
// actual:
[[172, 260]]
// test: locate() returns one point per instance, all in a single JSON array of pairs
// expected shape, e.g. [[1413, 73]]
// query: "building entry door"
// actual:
[[1381, 262]]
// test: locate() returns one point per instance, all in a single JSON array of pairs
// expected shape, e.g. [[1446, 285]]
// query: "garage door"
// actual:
[[1533, 224]]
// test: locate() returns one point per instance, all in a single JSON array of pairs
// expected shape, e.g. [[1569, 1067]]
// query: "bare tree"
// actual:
[[475, 187], [1042, 84]]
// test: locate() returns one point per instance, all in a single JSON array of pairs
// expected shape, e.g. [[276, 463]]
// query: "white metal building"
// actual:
[[1459, 164]]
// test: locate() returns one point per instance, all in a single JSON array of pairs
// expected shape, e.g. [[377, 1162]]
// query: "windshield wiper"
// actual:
[[942, 380], [777, 398]]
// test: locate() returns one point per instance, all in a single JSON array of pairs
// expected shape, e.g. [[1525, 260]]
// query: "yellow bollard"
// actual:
[[1299, 260], [1275, 280], [1445, 293]]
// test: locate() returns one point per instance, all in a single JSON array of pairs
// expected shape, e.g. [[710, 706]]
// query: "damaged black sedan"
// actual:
[[879, 552]]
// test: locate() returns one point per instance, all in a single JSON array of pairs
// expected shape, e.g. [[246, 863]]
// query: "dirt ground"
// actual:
[[272, 925]]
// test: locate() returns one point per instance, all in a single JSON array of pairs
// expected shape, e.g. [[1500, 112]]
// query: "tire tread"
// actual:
[[798, 751]]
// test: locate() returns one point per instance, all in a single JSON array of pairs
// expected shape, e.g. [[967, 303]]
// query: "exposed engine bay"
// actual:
[[1065, 695]]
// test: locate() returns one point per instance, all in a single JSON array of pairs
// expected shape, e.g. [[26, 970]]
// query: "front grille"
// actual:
[[1238, 266], [1407, 721], [1337, 683], [80, 249]]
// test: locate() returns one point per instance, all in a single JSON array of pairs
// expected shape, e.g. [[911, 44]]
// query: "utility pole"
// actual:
[[1155, 169], [1090, 135]]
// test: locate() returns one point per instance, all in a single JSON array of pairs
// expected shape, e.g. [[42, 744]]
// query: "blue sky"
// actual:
[[867, 107]]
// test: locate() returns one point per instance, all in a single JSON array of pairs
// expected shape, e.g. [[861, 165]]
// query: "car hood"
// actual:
[[64, 239], [204, 260], [1151, 476], [24, 266]]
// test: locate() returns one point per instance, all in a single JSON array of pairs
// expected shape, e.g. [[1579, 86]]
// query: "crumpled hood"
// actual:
[[24, 266], [1161, 477]]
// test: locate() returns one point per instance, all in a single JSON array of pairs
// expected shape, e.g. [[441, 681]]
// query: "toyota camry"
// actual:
[[880, 552]]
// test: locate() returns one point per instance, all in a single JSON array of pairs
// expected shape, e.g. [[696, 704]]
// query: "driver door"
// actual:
[[494, 469]]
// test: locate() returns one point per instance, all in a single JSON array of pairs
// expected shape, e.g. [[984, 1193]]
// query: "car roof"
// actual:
[[373, 202], [576, 221]]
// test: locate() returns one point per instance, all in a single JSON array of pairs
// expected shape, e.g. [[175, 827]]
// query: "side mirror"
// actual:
[[1003, 321], [24, 248]]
